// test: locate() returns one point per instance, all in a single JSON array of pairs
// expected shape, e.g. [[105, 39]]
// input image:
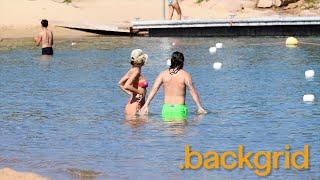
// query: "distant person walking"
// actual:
[[45, 38], [174, 6]]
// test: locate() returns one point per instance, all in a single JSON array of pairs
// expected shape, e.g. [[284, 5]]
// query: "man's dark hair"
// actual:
[[177, 60], [44, 23]]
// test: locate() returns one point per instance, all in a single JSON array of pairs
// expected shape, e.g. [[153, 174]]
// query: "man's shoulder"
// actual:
[[185, 73], [163, 72]]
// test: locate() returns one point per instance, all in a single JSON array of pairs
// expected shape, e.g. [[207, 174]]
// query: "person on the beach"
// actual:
[[174, 6], [134, 84], [175, 80], [45, 38]]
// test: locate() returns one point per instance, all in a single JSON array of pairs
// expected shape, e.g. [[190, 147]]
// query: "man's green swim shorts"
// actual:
[[176, 112]]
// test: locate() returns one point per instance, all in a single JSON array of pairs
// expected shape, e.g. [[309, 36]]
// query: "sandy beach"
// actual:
[[20, 18], [7, 173]]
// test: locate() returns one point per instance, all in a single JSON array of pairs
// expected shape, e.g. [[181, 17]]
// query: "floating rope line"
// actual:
[[259, 44], [310, 43], [271, 43]]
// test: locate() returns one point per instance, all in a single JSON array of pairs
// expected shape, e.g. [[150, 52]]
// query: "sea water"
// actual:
[[63, 117]]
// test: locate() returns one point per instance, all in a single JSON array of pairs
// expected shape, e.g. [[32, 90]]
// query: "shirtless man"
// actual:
[[174, 5], [175, 80], [45, 37]]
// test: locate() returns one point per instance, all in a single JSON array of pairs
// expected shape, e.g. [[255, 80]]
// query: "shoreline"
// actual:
[[9, 32], [7, 173], [31, 31], [119, 13]]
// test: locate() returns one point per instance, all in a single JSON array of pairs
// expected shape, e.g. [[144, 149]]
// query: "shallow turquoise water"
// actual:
[[67, 113]]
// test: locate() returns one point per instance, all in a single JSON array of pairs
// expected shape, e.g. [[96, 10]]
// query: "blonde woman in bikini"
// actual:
[[134, 84], [174, 6]]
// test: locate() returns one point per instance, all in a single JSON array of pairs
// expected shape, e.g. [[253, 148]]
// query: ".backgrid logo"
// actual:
[[261, 162]]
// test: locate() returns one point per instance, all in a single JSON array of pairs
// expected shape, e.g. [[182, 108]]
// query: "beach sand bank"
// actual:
[[21, 18], [9, 174]]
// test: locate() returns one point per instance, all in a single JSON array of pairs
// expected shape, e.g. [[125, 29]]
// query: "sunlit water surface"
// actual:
[[63, 117]]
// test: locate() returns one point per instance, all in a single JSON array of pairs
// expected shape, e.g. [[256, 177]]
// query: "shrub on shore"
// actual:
[[200, 1]]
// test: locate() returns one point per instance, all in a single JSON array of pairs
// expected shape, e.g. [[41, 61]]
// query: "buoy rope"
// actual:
[[310, 43], [270, 43]]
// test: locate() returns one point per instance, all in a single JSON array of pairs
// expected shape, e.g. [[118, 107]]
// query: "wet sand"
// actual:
[[7, 173]]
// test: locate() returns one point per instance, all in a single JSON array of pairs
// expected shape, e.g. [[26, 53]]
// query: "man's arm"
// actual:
[[38, 39], [194, 94], [153, 92]]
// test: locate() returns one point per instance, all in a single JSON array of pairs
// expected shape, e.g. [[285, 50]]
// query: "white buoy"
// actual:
[[169, 62], [73, 44], [217, 65], [212, 50], [309, 74], [308, 98], [219, 45], [292, 41]]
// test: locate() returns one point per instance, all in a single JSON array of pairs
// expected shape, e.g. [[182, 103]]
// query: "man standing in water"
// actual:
[[45, 37], [174, 5], [175, 80]]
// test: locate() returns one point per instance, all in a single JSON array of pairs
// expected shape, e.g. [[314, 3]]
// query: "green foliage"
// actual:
[[309, 4], [200, 1], [67, 1], [311, 1]]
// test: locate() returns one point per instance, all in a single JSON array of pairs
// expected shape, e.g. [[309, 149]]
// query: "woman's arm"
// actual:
[[122, 82], [128, 85]]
